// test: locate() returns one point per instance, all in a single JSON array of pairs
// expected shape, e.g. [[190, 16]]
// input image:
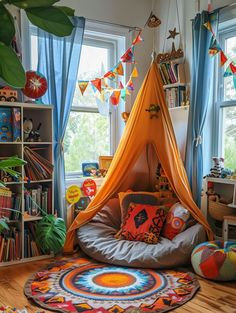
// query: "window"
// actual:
[[89, 134], [227, 103]]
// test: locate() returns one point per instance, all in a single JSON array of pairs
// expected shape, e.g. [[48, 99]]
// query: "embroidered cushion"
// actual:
[[177, 220], [143, 223], [151, 198]]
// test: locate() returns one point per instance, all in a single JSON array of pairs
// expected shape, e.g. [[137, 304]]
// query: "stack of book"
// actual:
[[37, 167], [10, 124], [30, 247], [5, 202], [172, 72], [175, 96], [39, 196], [10, 245]]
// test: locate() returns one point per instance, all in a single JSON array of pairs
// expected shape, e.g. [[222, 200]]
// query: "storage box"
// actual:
[[5, 125]]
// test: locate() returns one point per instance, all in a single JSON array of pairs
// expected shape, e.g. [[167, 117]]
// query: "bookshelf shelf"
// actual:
[[22, 225], [183, 107], [174, 85]]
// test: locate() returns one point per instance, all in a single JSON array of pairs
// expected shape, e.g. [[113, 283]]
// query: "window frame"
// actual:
[[226, 31]]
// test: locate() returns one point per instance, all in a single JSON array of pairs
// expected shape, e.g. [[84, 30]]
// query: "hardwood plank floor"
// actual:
[[212, 297]]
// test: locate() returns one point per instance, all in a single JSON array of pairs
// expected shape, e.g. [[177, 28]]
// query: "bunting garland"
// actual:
[[215, 48], [100, 86]]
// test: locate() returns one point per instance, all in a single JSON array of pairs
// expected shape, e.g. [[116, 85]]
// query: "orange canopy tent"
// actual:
[[148, 137]]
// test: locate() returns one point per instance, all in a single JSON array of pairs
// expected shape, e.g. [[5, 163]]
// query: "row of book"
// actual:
[[175, 96], [10, 245], [39, 196], [37, 167], [10, 124], [171, 72], [9, 200], [31, 249]]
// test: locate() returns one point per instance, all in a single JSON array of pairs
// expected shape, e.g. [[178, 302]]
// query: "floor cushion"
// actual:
[[96, 239], [215, 260]]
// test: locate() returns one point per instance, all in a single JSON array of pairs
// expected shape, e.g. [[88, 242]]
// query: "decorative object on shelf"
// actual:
[[89, 187], [233, 175], [34, 135], [153, 110], [125, 116], [105, 162], [81, 205], [153, 21], [27, 127], [225, 60], [8, 94], [5, 125], [36, 85], [218, 166], [73, 194], [52, 19], [88, 167]]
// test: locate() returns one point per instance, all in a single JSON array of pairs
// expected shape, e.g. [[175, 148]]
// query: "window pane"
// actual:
[[229, 137], [93, 64], [229, 89], [87, 136]]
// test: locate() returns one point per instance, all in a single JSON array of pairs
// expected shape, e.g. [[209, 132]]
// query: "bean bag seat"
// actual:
[[96, 239], [215, 260]]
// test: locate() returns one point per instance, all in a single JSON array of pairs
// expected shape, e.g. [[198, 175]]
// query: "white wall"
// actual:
[[131, 13]]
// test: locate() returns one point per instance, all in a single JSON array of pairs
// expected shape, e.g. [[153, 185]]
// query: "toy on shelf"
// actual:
[[218, 170], [8, 94], [29, 134]]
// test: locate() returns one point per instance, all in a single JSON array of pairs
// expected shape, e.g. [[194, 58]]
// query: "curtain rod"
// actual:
[[130, 28]]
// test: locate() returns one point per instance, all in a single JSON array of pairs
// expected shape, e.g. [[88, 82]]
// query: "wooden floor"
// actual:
[[212, 297]]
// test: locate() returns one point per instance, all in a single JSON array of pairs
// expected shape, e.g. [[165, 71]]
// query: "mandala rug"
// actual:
[[83, 285]]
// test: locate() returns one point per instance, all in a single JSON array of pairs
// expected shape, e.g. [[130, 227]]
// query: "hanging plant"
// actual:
[[43, 14]]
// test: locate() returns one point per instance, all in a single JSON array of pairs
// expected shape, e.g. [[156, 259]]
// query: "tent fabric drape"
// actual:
[[142, 131], [201, 99], [59, 62]]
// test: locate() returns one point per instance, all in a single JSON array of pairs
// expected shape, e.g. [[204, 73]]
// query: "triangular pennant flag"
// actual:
[[115, 97], [97, 83], [123, 94], [134, 72], [121, 85], [128, 57], [208, 26], [127, 92], [130, 85], [232, 67], [119, 69], [228, 72], [137, 39], [83, 85], [214, 47], [110, 75], [223, 58]]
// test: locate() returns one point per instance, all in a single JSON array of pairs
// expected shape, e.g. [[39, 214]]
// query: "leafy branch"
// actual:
[[43, 14]]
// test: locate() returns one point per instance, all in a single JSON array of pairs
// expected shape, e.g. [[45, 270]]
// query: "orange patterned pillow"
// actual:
[[143, 223]]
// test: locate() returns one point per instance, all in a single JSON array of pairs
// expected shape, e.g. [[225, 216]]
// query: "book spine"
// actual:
[[16, 124]]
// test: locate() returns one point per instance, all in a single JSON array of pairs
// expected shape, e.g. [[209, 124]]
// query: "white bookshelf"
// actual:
[[38, 113]]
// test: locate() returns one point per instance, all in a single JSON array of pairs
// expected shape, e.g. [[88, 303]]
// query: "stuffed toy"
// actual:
[[218, 166], [27, 128]]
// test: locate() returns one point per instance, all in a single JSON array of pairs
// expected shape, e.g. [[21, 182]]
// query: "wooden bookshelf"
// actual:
[[38, 113]]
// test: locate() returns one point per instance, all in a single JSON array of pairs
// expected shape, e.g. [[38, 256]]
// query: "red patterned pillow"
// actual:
[[177, 220], [143, 223]]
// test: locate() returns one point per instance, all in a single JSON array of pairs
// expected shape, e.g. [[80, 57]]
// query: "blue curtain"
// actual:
[[200, 100], [59, 62]]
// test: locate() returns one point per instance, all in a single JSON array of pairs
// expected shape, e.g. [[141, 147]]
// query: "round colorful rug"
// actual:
[[83, 285]]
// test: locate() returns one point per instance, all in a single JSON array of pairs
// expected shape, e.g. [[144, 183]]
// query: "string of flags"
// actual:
[[215, 48], [102, 90]]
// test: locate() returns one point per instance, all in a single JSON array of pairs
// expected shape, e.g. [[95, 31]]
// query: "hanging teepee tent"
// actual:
[[145, 138]]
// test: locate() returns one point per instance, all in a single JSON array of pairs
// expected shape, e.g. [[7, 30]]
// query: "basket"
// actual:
[[218, 210]]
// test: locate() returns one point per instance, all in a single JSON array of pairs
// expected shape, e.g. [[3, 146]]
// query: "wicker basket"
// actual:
[[218, 210]]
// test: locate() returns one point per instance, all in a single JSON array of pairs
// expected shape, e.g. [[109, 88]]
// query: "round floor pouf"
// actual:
[[215, 260]]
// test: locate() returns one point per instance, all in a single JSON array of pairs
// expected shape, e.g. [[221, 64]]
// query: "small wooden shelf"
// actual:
[[11, 143], [14, 183], [37, 143], [38, 181], [174, 85], [183, 107]]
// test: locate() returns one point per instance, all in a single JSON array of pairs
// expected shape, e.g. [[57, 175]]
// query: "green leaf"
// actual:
[[66, 10], [3, 225], [7, 27], [11, 162], [50, 234], [52, 20], [32, 3], [11, 69]]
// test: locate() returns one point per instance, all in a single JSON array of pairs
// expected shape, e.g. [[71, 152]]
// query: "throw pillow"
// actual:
[[151, 198], [143, 223], [177, 220]]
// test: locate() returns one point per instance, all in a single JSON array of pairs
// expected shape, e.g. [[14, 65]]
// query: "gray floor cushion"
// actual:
[[97, 240]]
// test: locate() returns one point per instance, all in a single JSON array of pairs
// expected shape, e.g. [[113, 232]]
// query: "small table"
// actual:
[[228, 220]]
